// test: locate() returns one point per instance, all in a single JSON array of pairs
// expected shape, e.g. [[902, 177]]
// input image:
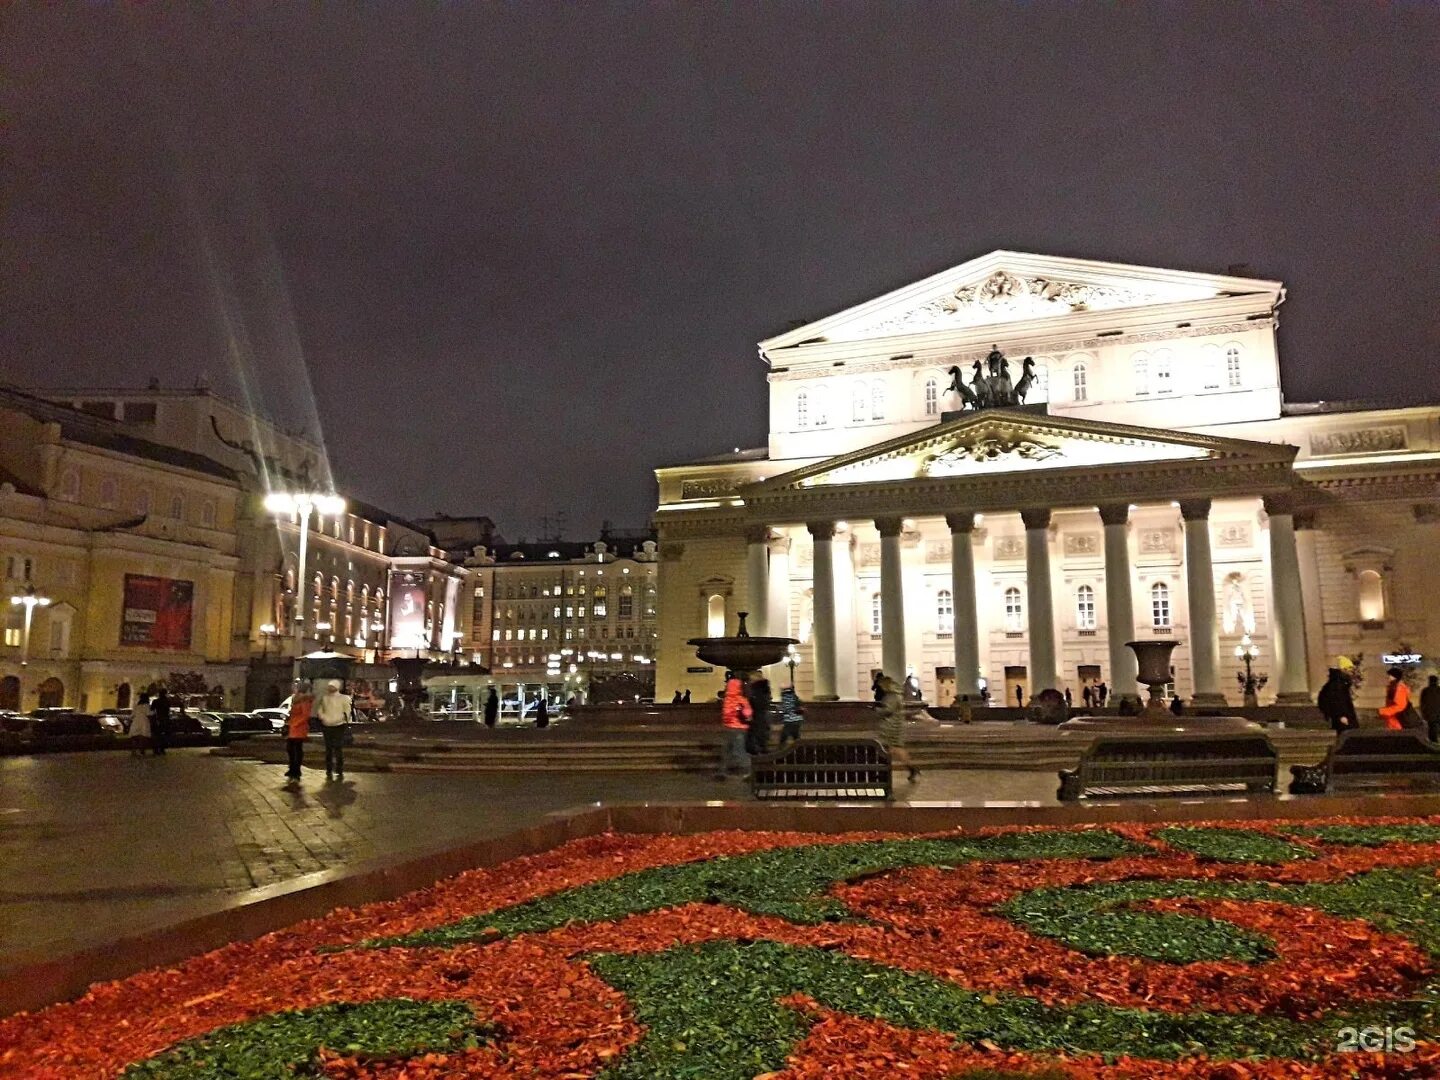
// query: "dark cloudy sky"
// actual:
[[525, 251]]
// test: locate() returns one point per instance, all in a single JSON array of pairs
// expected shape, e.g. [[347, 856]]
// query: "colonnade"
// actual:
[[768, 572]]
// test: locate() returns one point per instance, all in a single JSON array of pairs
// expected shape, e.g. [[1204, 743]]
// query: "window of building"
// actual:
[[877, 401], [1371, 595], [600, 605], [1160, 606], [876, 616], [14, 628], [1210, 367], [1078, 376], [109, 492], [1161, 372], [932, 397], [1014, 611], [556, 612], [944, 613], [1085, 608], [1232, 366], [821, 410], [509, 633], [627, 602], [649, 600], [70, 485], [177, 507], [207, 513], [142, 501], [580, 611], [715, 616], [19, 567], [802, 409], [1142, 374], [859, 399], [495, 635]]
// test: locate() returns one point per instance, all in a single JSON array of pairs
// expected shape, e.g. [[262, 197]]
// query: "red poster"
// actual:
[[158, 612]]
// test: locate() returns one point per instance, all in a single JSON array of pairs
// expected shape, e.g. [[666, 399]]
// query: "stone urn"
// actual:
[[741, 652], [1153, 660]]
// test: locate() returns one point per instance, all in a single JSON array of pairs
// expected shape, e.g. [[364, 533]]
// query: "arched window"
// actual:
[[1078, 378], [177, 507], [821, 417], [944, 613], [1085, 608], [142, 501], [1161, 371], [1210, 367], [932, 397], [715, 616], [109, 492], [875, 615], [1371, 595], [649, 600], [1232, 366], [802, 409], [70, 485], [1142, 374], [859, 400], [627, 602], [1014, 611], [877, 401], [1160, 606]]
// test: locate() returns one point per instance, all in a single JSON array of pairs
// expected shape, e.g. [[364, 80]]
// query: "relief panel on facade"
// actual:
[[707, 489], [1358, 441], [868, 554], [1234, 534], [1009, 547], [1082, 543], [937, 551], [1157, 541]]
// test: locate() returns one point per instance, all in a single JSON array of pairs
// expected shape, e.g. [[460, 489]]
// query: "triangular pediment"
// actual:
[[1013, 287], [998, 441]]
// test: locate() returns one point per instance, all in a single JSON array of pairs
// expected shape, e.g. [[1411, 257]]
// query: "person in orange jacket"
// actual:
[[1397, 700], [735, 713], [297, 728]]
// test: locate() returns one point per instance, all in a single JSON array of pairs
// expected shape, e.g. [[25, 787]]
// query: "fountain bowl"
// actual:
[[740, 651]]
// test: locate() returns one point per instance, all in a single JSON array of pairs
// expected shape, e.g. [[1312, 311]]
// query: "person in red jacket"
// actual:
[[1397, 700], [735, 713]]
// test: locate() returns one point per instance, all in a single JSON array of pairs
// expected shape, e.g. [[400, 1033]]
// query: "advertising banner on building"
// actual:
[[158, 612], [407, 609]]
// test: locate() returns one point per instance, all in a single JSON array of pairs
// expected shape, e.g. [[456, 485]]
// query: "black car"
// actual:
[[54, 730], [241, 725]]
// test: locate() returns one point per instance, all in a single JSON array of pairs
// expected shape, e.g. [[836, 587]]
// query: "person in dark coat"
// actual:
[[686, 699], [1101, 693], [678, 699], [1177, 707], [1087, 696], [1430, 707], [1336, 704], [757, 740], [160, 721], [1019, 696], [492, 708], [542, 713], [791, 713], [875, 686]]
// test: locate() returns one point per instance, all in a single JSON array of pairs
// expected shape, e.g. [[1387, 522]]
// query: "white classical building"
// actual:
[[1154, 483]]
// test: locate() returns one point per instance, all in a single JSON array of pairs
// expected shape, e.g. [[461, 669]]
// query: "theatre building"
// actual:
[[997, 476]]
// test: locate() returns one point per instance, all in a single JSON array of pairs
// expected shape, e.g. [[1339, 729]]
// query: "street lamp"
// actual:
[[1247, 651], [30, 600], [792, 657], [267, 631], [302, 504]]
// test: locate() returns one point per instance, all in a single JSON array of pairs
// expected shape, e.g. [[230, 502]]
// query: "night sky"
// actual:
[[525, 252]]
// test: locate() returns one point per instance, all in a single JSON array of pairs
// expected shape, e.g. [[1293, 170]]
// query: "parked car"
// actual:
[[55, 729], [240, 725], [115, 720], [276, 718], [186, 729]]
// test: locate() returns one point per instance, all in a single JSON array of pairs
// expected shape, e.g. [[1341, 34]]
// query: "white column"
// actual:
[[1315, 658], [1040, 603], [757, 579], [1200, 598], [962, 589], [1288, 612], [1119, 605], [892, 600], [777, 606], [823, 533], [847, 660]]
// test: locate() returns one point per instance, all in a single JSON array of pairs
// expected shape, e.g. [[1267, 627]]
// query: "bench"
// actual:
[[1163, 764], [1370, 758], [856, 768]]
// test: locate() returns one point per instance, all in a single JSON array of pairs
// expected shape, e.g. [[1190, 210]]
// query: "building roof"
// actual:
[[82, 427], [1325, 408], [734, 457], [619, 545], [7, 477]]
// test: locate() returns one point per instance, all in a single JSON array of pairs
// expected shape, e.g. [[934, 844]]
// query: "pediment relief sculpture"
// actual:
[[987, 449]]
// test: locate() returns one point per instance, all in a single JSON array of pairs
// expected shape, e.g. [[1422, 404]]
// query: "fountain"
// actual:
[[1152, 658], [410, 686], [742, 652]]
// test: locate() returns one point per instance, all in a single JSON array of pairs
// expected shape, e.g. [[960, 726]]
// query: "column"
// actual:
[[962, 588], [777, 608], [1200, 597], [847, 656], [892, 600], [1315, 658], [1119, 606], [757, 578], [1288, 607], [1042, 674], [823, 533]]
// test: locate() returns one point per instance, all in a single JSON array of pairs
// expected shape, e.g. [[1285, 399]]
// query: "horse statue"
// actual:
[[980, 387], [1027, 380], [957, 386]]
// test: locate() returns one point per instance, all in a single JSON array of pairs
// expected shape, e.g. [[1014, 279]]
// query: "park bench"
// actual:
[[853, 768], [1371, 758], [1164, 764]]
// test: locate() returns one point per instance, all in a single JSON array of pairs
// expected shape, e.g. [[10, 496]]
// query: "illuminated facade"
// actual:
[[1154, 483]]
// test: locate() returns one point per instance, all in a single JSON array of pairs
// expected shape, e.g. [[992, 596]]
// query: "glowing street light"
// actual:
[[302, 504], [30, 600]]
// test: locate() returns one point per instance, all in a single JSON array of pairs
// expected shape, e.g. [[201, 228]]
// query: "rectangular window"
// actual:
[[494, 635]]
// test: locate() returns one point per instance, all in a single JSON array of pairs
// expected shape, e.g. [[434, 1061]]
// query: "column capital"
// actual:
[[1279, 502], [961, 522], [1304, 519], [1115, 513], [890, 526], [1195, 509], [779, 545], [1036, 519], [821, 530], [757, 534]]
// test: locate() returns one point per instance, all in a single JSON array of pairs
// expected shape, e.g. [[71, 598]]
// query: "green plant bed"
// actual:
[[1233, 845], [1366, 835]]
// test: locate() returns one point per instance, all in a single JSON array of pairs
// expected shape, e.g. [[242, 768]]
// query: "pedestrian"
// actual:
[[758, 734], [791, 713], [892, 725], [1087, 696], [160, 720], [1102, 693], [1395, 712], [1177, 707], [297, 729], [735, 721], [686, 699], [985, 696], [963, 712], [1069, 701], [1019, 696], [542, 712], [140, 725], [1430, 708], [875, 689], [1336, 704], [492, 708], [677, 699], [333, 708]]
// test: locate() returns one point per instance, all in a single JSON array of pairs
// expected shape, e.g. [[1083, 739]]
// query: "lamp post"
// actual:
[[792, 657], [30, 600], [1250, 683], [267, 631], [302, 504]]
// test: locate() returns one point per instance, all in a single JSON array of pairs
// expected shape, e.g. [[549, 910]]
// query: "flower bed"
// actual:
[[1133, 951]]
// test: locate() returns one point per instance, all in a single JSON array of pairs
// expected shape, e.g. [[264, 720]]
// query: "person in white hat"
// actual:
[[333, 708]]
